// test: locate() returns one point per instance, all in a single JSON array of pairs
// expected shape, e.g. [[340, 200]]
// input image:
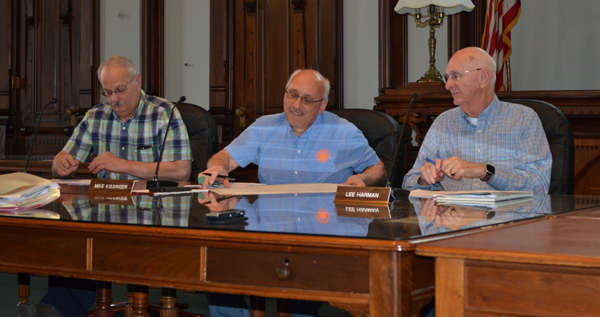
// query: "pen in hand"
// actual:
[[441, 187], [221, 176]]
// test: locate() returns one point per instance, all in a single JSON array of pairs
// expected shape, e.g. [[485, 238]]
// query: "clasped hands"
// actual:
[[453, 167]]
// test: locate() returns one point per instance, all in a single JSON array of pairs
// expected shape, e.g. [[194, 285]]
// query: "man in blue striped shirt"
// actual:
[[484, 143]]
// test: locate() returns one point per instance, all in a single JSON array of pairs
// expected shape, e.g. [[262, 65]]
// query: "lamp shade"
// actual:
[[450, 6]]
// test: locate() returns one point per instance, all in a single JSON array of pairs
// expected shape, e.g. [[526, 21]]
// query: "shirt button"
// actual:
[[123, 148], [478, 150], [124, 128], [476, 184], [296, 172], [479, 131], [298, 151]]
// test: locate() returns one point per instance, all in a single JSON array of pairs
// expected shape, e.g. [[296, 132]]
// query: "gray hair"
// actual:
[[320, 78], [120, 61]]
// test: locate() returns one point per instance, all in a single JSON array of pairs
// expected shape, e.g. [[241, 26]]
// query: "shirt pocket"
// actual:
[[147, 154]]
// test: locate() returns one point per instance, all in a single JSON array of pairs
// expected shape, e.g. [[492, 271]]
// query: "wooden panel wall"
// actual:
[[52, 48], [257, 44]]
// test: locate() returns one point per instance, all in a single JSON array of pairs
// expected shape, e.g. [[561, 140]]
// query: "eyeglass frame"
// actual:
[[447, 77], [107, 96], [303, 100]]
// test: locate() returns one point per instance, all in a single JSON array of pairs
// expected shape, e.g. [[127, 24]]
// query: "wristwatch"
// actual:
[[489, 170]]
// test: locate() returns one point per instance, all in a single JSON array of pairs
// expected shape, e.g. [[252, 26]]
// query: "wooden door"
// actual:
[[52, 53], [257, 44]]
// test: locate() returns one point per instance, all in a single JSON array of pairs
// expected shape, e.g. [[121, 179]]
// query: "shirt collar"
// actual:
[[138, 111], [314, 128], [488, 113]]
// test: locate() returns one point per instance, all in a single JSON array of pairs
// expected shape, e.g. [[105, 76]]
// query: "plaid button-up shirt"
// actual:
[[138, 139], [508, 136]]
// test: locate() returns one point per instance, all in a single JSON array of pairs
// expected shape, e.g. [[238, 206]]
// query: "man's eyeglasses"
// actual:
[[457, 76], [118, 91], [307, 101]]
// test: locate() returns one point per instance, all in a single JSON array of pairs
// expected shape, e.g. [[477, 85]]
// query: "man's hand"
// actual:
[[64, 165], [431, 174], [355, 180], [457, 168], [107, 161], [211, 200], [214, 172]]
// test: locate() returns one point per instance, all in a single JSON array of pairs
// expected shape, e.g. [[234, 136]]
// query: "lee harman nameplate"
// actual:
[[364, 195]]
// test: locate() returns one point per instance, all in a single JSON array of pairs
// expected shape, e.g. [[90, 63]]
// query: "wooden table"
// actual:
[[545, 268], [366, 266]]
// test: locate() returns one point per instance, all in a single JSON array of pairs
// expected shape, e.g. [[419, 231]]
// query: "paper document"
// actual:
[[474, 196], [22, 190], [503, 205], [72, 181], [277, 189]]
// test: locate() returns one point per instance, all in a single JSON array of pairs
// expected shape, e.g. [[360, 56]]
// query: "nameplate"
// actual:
[[363, 211], [111, 186], [351, 195], [112, 200]]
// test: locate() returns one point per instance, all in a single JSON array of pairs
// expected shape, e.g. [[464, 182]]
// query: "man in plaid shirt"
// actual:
[[125, 133]]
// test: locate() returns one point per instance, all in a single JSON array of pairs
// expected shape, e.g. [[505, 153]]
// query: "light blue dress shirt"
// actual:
[[508, 136], [330, 151]]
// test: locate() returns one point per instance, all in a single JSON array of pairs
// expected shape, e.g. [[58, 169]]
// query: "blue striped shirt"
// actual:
[[138, 139], [330, 151], [508, 136]]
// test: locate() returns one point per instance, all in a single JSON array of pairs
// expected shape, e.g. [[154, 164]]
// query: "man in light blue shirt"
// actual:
[[484, 143], [304, 144]]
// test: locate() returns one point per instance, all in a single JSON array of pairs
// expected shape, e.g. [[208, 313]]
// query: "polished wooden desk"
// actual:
[[290, 247], [546, 268]]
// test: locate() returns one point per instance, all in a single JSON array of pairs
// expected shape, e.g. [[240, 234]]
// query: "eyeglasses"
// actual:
[[456, 76], [307, 101], [118, 91]]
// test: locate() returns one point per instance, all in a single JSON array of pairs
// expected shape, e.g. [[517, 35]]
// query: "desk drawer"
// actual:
[[303, 271]]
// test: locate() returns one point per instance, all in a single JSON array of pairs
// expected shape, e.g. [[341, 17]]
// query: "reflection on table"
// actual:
[[307, 214]]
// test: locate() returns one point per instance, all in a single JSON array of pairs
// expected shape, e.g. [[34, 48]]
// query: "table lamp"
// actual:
[[436, 9]]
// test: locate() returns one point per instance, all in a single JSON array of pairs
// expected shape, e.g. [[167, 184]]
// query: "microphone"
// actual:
[[155, 185], [53, 101], [389, 180]]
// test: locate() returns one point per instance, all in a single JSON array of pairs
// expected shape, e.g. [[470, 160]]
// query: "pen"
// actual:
[[222, 176], [441, 187], [431, 224]]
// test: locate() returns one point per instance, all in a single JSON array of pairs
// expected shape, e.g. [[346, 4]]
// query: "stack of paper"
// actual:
[[475, 198], [25, 191]]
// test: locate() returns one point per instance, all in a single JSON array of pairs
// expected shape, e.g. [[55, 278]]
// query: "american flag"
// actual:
[[500, 18]]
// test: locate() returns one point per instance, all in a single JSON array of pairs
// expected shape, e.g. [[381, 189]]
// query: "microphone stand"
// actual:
[[389, 180], [155, 185], [53, 101]]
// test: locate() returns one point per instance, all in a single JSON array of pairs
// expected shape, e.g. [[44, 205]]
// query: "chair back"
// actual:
[[203, 135], [382, 132], [562, 145]]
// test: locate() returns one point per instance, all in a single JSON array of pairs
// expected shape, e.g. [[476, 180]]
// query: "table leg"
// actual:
[[284, 307], [449, 287], [257, 306], [140, 301], [129, 306], [168, 299], [103, 299], [23, 282]]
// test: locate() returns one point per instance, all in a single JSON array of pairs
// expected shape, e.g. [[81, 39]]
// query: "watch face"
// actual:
[[490, 169]]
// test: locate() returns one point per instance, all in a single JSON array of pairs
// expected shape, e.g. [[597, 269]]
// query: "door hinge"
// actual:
[[16, 82]]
